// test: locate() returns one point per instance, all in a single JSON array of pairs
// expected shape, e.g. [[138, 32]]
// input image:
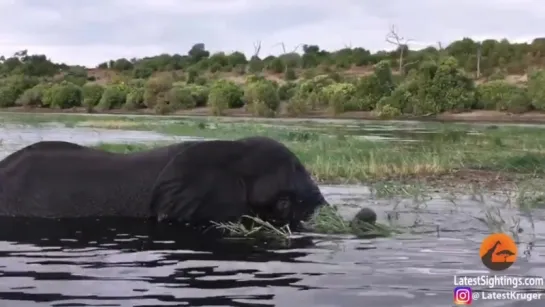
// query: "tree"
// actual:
[[402, 45], [198, 52]]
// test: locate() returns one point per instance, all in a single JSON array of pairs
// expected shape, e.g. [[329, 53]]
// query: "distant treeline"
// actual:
[[404, 81]]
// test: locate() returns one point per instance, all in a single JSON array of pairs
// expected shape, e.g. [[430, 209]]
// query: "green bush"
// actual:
[[386, 111], [65, 95], [286, 91], [92, 92], [338, 95], [298, 104], [383, 72], [404, 98], [223, 95], [368, 92], [114, 96], [177, 98], [156, 89], [137, 83], [200, 94], [370, 89], [536, 89], [311, 92], [451, 89], [135, 99], [261, 98], [33, 97], [253, 78], [502, 96], [290, 74], [180, 98], [192, 74], [8, 96], [13, 87], [276, 66]]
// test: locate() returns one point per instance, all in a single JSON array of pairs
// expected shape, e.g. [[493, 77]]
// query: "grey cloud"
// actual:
[[87, 31]]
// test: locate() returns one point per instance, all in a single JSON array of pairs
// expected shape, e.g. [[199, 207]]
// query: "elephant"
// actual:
[[193, 182], [43, 145]]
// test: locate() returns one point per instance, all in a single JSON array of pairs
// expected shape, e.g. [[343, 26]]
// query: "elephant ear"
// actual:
[[201, 184]]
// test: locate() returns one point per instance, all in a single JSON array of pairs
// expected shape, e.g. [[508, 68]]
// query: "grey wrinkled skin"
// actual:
[[190, 182]]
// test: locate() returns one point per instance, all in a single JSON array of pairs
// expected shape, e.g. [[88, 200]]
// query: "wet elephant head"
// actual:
[[223, 180]]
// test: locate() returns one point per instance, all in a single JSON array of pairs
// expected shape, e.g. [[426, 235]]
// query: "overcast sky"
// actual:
[[87, 32]]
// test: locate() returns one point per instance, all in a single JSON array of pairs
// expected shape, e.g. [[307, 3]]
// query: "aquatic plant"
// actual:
[[326, 220], [255, 228]]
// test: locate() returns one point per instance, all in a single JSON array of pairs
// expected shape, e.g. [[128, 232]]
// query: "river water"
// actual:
[[119, 262]]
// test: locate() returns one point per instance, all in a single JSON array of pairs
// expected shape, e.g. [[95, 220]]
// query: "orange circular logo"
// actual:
[[498, 251]]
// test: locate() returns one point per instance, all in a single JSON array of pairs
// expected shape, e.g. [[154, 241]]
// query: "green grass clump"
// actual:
[[327, 220]]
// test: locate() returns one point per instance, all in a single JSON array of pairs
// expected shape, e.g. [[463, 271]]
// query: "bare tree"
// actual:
[[257, 48], [479, 51], [395, 39], [284, 52], [442, 50]]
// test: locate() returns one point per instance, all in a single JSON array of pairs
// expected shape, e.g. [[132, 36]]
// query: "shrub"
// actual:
[[192, 74], [20, 83], [311, 91], [369, 92], [14, 86], [261, 98], [92, 92], [66, 95], [276, 66], [502, 96], [536, 89], [114, 96], [386, 111], [8, 96], [200, 94], [451, 89], [403, 98], [156, 89], [137, 83], [224, 94], [298, 104], [383, 73], [370, 89], [134, 99], [289, 74], [33, 97], [253, 78], [338, 95], [179, 98], [142, 72], [215, 67], [286, 90]]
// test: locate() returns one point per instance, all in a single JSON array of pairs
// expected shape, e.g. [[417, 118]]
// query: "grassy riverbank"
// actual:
[[447, 153], [347, 159]]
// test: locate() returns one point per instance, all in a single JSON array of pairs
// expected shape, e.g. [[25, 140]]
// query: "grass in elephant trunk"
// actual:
[[326, 220]]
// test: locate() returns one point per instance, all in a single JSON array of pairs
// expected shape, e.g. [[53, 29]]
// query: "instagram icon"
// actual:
[[462, 296]]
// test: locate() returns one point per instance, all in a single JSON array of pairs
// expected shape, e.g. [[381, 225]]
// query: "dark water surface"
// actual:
[[119, 262]]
